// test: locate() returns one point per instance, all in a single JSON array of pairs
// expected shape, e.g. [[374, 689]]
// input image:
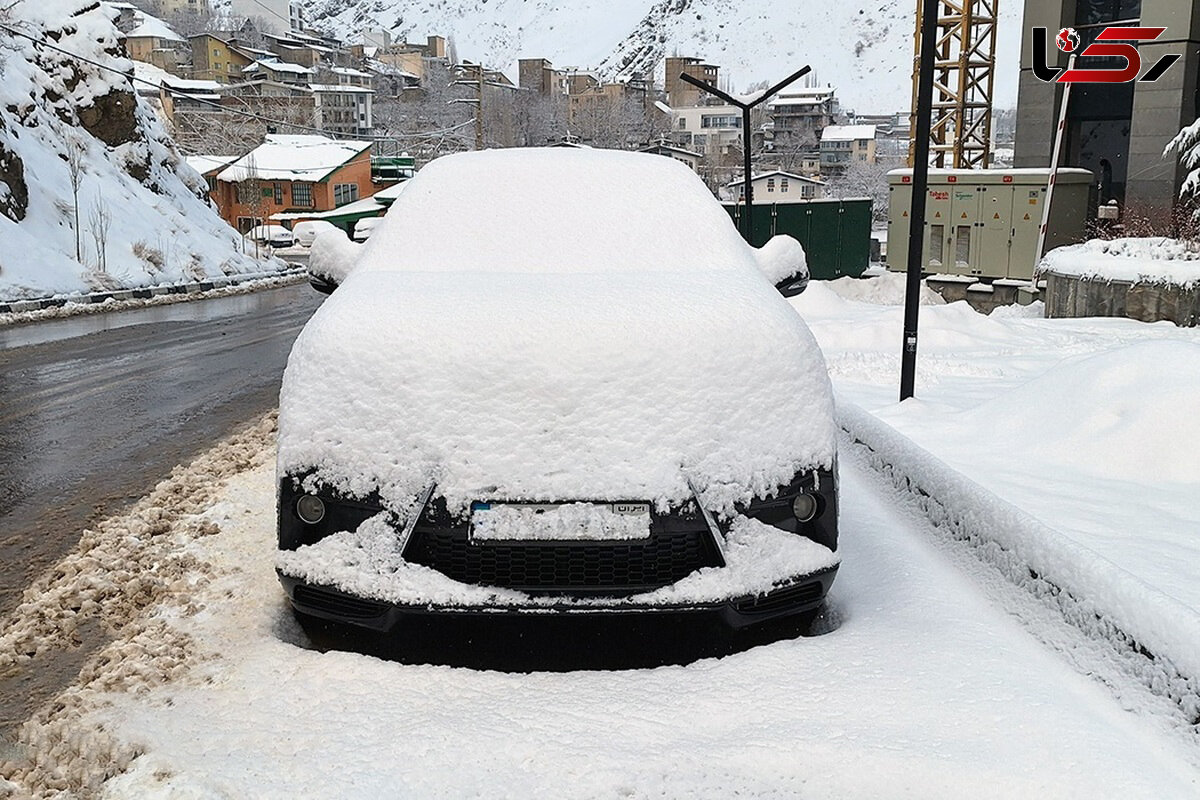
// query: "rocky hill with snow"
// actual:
[[93, 195], [863, 47]]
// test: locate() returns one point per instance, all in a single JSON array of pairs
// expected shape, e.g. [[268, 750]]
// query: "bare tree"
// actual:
[[75, 175], [100, 220], [250, 194], [864, 179]]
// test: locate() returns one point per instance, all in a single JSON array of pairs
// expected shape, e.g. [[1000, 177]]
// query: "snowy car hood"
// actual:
[[554, 387]]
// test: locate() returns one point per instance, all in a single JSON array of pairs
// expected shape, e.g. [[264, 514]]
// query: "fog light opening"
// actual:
[[310, 509], [805, 507]]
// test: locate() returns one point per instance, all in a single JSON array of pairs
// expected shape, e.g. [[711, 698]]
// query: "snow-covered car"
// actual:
[[365, 227], [272, 235], [590, 400], [306, 231]]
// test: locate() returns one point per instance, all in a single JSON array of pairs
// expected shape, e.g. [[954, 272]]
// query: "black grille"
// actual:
[[565, 567], [314, 598], [782, 598]]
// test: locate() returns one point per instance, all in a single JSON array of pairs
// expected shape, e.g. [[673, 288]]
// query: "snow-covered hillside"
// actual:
[[863, 47], [135, 214]]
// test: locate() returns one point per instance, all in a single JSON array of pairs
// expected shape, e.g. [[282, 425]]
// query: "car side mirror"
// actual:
[[321, 283], [782, 261]]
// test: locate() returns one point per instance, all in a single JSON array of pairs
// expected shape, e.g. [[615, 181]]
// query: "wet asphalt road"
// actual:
[[89, 424]]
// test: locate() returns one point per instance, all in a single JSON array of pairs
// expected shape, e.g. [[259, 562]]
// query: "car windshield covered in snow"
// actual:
[[569, 350]]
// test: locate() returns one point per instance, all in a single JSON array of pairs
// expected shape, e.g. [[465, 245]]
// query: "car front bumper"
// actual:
[[803, 593]]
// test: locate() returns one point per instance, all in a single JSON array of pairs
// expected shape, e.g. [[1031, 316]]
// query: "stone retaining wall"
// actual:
[[1075, 296]]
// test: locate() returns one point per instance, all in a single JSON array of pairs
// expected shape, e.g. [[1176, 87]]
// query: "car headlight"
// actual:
[[310, 509], [805, 507]]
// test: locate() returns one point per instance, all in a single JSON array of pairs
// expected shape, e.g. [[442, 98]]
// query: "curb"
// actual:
[[143, 293]]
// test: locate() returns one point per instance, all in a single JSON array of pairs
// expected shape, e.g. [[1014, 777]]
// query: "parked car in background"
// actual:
[[365, 227], [307, 230], [591, 400], [271, 235]]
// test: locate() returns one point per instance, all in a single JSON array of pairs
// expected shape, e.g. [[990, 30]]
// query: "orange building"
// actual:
[[292, 174]]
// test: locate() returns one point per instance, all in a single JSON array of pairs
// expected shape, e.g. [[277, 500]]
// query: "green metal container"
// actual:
[[836, 234]]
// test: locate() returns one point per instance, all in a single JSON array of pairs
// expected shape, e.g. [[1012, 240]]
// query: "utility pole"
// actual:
[[922, 122], [747, 141], [479, 109]]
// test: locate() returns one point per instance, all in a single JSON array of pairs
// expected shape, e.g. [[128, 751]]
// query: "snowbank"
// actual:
[[1094, 593], [143, 215], [601, 334], [1149, 260]]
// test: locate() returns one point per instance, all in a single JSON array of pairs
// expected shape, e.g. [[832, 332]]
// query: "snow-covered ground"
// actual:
[[1090, 425], [929, 682]]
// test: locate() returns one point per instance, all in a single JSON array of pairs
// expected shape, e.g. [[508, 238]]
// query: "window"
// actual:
[[770, 184], [720, 121], [683, 123], [302, 194], [244, 224], [783, 184], [807, 192], [344, 193]]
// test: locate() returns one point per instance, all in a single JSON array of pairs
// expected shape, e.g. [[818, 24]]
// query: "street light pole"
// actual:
[[920, 192], [748, 218]]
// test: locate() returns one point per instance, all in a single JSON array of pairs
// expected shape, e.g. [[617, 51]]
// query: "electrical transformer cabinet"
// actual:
[[984, 223]]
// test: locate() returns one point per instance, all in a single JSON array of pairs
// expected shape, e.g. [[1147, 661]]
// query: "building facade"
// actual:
[[292, 174], [1118, 131]]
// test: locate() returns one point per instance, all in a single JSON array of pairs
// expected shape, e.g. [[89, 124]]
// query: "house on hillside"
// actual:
[[799, 115], [776, 186], [292, 174], [215, 59], [689, 157], [843, 145]]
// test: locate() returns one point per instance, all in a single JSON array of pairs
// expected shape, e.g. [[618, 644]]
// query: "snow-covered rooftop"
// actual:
[[778, 173], [153, 27], [294, 158], [203, 164], [847, 133], [275, 65]]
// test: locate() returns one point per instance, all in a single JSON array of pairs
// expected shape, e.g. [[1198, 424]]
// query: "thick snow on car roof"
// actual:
[[555, 210], [543, 374]]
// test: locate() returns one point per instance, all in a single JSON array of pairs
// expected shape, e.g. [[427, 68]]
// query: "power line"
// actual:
[[239, 112]]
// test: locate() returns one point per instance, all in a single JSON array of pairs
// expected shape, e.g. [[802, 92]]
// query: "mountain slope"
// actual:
[[863, 47], [138, 215]]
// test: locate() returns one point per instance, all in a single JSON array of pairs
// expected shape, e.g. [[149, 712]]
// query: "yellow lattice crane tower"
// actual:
[[964, 67]]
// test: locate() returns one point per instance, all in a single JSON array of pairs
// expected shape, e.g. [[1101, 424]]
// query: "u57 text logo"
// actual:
[[1112, 42]]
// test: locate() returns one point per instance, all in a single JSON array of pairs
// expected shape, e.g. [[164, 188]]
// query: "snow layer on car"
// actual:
[[556, 210], [366, 563], [578, 383]]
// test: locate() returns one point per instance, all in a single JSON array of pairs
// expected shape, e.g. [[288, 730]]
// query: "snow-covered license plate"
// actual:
[[515, 522]]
